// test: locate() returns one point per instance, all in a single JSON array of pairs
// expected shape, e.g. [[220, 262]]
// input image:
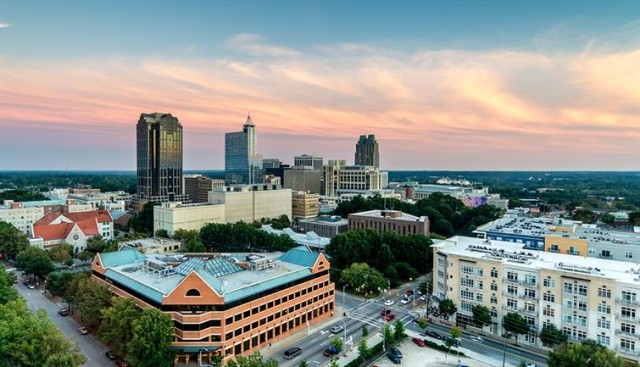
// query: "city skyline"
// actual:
[[460, 85]]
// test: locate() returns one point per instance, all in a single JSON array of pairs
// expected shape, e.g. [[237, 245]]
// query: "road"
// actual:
[[89, 346]]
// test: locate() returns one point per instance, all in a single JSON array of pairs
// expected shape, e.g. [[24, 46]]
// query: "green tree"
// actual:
[[337, 343], [447, 307], [57, 283], [185, 235], [363, 279], [33, 260], [385, 257], [194, 246], [387, 335], [444, 228], [162, 233], [12, 241], [92, 298], [334, 363], [151, 341], [61, 253], [589, 353], [143, 221], [481, 315], [31, 339], [515, 323], [96, 244], [363, 349], [399, 332], [426, 288], [634, 218], [608, 219], [584, 215], [7, 290], [551, 336], [365, 331], [116, 327], [72, 293]]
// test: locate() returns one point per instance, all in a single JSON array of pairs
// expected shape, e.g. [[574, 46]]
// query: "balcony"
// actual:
[[627, 301], [626, 317], [530, 297], [627, 351], [527, 311], [626, 333], [511, 294], [507, 280]]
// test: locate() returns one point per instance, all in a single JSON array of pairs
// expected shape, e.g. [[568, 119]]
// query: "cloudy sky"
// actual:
[[444, 85]]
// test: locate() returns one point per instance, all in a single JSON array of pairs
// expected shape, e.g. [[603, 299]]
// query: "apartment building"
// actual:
[[228, 304], [389, 220], [586, 297], [20, 216]]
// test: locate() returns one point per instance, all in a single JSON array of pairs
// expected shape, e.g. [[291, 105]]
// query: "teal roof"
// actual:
[[210, 279], [126, 255], [34, 203], [193, 349], [137, 286], [268, 284], [300, 256]]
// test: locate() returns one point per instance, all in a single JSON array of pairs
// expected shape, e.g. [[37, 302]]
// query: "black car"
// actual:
[[111, 355], [396, 352], [394, 358], [433, 334]]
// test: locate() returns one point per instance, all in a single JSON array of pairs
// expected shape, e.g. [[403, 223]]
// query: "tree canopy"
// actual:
[[12, 241], [242, 237], [364, 279], [551, 336], [116, 327], [36, 261], [152, 334], [587, 354], [515, 323], [447, 307], [481, 315]]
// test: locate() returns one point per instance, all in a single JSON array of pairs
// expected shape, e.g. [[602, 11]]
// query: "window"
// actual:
[[549, 297], [628, 255], [479, 272], [512, 304], [628, 313], [628, 296], [604, 292], [478, 297], [494, 286], [553, 248], [530, 279], [466, 269], [494, 299], [466, 306], [529, 306], [603, 339], [494, 312], [530, 293], [568, 287], [604, 308], [512, 276], [466, 295], [628, 345], [512, 290], [628, 328], [603, 323], [582, 306], [582, 290], [479, 284], [466, 282], [550, 283], [494, 273], [548, 311], [193, 293]]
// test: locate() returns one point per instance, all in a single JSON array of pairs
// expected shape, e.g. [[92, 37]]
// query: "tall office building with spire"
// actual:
[[367, 151], [159, 158], [242, 164]]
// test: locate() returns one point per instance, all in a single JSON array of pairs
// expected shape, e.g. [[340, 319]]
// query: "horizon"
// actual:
[[444, 86]]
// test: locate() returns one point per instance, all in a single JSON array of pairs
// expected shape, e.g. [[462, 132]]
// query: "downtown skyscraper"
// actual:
[[367, 152], [159, 158], [242, 164]]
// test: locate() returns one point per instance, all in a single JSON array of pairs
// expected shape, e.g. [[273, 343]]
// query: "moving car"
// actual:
[[83, 330], [336, 329], [31, 286], [111, 355], [419, 342], [405, 301], [389, 302], [63, 312], [409, 292], [385, 312], [330, 351], [292, 353], [433, 334], [390, 317]]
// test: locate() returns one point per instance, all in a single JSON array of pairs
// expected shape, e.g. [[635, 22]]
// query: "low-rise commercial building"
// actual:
[[304, 205], [252, 202], [173, 216], [324, 225], [226, 304], [389, 220], [153, 245]]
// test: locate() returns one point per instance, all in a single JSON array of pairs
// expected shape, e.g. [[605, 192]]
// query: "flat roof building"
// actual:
[[324, 225], [389, 220], [228, 304], [304, 205]]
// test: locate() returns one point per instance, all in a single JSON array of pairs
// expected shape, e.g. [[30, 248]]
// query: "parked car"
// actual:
[[63, 312], [405, 300], [111, 355], [394, 358], [389, 302], [385, 312], [396, 351], [83, 330], [336, 329], [419, 342], [331, 351], [433, 334], [390, 317]]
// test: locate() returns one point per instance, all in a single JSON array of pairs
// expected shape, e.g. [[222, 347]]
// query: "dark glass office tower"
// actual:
[[367, 151], [159, 158], [242, 165]]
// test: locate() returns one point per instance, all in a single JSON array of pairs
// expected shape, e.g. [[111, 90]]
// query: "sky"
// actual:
[[443, 85]]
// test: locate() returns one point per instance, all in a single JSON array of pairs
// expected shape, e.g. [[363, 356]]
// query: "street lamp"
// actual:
[[200, 356], [344, 302], [506, 335], [345, 335]]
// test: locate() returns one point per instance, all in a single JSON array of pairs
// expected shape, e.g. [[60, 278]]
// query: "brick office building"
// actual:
[[229, 304]]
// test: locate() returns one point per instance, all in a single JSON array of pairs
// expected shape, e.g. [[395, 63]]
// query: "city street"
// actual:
[[89, 346]]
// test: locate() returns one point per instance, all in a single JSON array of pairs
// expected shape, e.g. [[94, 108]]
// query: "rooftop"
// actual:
[[517, 256], [393, 214], [310, 239], [233, 276]]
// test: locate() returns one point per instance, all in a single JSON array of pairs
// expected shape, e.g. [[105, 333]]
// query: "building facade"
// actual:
[[358, 180], [226, 305], [389, 220], [308, 161], [303, 178], [304, 205], [159, 158], [367, 151], [331, 177], [175, 215], [19, 216], [73, 228], [198, 187], [324, 226], [248, 203], [586, 298], [242, 163]]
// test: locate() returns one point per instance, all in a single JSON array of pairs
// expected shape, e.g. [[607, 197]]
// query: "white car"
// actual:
[[405, 301], [389, 302]]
